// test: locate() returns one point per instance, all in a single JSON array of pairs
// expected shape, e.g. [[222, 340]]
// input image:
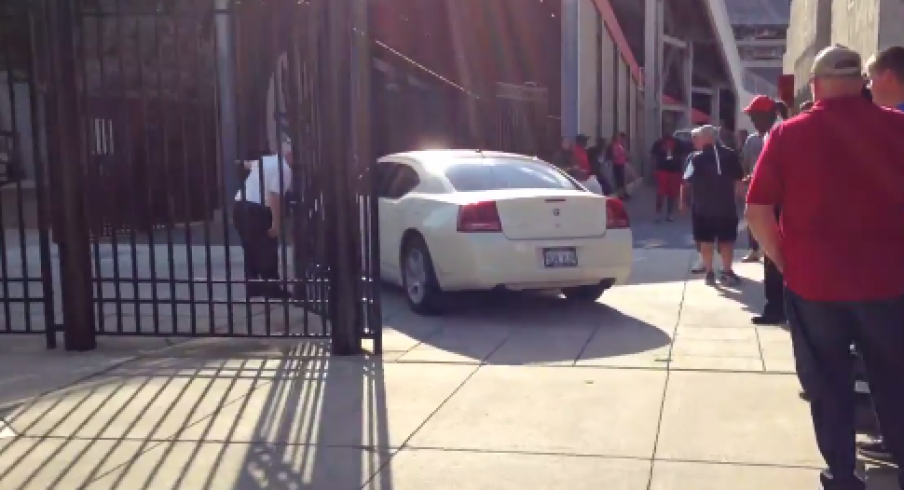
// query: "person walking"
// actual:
[[563, 158], [763, 113], [596, 154], [836, 171], [669, 160], [257, 217], [713, 177], [885, 72], [619, 156]]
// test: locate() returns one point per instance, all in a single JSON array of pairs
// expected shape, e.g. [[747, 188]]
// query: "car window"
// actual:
[[396, 180], [498, 174]]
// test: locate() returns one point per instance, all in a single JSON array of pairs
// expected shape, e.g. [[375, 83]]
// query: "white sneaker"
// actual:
[[698, 267], [753, 256]]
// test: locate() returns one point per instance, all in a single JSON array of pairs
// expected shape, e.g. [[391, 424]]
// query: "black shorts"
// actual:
[[709, 229]]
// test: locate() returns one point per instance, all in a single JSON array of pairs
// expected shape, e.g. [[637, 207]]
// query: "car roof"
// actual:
[[461, 156]]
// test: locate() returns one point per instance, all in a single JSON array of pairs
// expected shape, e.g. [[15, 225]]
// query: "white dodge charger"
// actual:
[[455, 220]]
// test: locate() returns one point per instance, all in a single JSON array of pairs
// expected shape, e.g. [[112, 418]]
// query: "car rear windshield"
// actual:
[[498, 174]]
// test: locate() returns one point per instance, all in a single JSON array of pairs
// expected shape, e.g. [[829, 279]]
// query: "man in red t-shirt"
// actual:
[[837, 171]]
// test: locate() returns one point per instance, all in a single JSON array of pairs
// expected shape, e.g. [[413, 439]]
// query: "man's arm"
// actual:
[[274, 202], [278, 182], [766, 192], [764, 226], [686, 191]]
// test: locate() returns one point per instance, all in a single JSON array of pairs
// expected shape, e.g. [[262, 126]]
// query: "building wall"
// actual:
[[890, 31], [588, 67], [624, 100], [856, 24], [866, 26], [809, 31], [605, 79], [609, 54]]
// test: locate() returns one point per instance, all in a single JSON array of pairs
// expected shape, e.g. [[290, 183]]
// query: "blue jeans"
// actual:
[[822, 333]]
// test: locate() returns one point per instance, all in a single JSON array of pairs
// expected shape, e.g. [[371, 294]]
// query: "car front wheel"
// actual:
[[585, 294], [419, 279]]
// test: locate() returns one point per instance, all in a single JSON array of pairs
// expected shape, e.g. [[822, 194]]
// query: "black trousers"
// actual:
[[822, 333], [773, 284], [253, 222], [618, 174]]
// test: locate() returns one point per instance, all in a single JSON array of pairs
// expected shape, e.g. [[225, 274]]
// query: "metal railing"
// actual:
[[147, 109]]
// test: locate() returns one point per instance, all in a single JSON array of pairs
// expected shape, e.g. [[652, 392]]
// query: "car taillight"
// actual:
[[479, 217], [616, 214]]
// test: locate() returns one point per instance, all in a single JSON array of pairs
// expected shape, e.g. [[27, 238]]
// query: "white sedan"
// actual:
[[455, 220]]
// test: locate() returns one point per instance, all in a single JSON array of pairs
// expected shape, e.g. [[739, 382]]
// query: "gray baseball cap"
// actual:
[[837, 61]]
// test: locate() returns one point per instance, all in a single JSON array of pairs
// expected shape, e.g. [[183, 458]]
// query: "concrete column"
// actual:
[[652, 92], [570, 42], [689, 83]]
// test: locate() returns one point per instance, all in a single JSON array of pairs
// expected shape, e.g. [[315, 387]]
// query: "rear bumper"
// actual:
[[488, 261]]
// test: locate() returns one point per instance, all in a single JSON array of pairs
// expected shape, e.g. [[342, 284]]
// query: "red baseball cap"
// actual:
[[760, 103]]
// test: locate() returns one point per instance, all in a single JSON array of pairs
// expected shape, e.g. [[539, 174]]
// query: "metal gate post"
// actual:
[[74, 244], [337, 113]]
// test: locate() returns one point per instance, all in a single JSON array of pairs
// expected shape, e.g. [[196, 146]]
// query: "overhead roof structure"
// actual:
[[759, 12]]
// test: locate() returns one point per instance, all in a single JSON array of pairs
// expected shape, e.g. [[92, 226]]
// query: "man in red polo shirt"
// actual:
[[837, 171]]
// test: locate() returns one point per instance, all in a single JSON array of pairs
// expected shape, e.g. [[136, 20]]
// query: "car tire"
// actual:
[[585, 294], [421, 288]]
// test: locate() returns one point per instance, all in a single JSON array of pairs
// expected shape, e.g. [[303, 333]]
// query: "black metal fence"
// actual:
[[128, 129]]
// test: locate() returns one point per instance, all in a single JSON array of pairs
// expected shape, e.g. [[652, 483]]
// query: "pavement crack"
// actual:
[[668, 375], [404, 444]]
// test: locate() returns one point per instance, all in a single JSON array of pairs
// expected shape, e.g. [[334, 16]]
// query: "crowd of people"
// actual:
[[825, 210], [593, 166], [825, 214]]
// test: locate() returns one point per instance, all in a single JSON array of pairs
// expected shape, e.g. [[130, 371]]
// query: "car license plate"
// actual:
[[560, 257], [861, 387]]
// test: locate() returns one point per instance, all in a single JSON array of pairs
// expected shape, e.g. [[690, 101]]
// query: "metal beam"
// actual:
[[702, 90], [674, 41], [689, 83]]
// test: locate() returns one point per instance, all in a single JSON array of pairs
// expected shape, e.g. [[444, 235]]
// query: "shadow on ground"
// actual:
[[208, 415], [524, 328]]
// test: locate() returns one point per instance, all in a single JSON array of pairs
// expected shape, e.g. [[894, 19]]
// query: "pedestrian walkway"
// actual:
[[663, 385]]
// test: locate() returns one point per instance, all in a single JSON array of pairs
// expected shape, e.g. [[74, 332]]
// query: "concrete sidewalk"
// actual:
[[663, 385]]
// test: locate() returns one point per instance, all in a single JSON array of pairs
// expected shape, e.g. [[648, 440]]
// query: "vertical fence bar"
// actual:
[[74, 244], [226, 132], [130, 165], [337, 94], [368, 273], [36, 10], [9, 147]]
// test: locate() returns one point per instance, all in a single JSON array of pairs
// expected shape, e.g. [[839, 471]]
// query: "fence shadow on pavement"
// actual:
[[210, 415]]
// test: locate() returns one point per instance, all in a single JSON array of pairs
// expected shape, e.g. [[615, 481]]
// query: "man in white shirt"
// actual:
[[258, 216]]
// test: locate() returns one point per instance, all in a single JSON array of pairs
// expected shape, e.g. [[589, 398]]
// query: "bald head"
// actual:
[[704, 136]]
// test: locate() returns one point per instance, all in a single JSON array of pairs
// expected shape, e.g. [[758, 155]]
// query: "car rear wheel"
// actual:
[[585, 294], [419, 279]]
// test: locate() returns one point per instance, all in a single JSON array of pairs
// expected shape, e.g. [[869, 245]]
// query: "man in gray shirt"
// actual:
[[750, 152]]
